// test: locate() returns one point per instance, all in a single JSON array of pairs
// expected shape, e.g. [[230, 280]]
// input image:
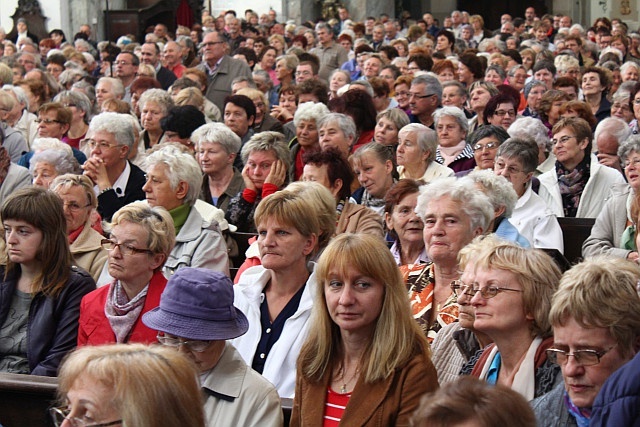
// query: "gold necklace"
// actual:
[[343, 387]]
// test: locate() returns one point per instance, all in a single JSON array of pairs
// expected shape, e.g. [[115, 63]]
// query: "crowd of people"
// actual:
[[358, 216]]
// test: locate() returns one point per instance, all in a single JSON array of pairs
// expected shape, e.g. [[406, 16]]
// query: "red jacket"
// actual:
[[94, 327]]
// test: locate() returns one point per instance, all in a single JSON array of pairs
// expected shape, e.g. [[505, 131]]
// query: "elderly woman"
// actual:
[[516, 160], [503, 198], [615, 230], [12, 176], [40, 291], [373, 166], [266, 158], [501, 110], [122, 385], [141, 239], [216, 149], [453, 213], [630, 71], [416, 154], [388, 124], [596, 84], [479, 95], [79, 201], [485, 142], [154, 104], [277, 296], [453, 151], [511, 296], [348, 369], [263, 120], [173, 182], [532, 128], [578, 185], [404, 225], [495, 74], [533, 92], [80, 107], [338, 79], [306, 140], [330, 168], [47, 164]]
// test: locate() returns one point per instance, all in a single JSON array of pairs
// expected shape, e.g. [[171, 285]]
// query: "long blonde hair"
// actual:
[[396, 337]]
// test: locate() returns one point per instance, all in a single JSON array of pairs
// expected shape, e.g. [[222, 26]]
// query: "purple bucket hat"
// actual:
[[197, 304]]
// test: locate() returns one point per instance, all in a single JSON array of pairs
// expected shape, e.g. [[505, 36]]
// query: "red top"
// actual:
[[94, 327], [334, 407]]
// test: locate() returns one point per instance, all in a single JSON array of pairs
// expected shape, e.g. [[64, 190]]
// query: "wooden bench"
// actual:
[[25, 400], [574, 232]]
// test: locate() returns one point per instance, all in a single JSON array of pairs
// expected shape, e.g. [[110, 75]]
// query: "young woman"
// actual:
[[40, 292]]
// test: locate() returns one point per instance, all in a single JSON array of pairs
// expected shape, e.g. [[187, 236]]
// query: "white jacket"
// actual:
[[280, 366], [593, 197], [535, 221]]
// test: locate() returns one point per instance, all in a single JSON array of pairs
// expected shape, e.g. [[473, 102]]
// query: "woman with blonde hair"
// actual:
[[511, 296], [129, 385], [365, 358]]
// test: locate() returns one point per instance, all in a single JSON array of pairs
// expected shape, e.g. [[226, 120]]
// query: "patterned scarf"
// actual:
[[121, 312], [572, 185], [582, 416]]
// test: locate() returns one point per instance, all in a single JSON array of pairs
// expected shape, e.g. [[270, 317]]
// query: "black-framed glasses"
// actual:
[[415, 95], [47, 121], [562, 140], [61, 414], [125, 248], [582, 357], [489, 292], [194, 345]]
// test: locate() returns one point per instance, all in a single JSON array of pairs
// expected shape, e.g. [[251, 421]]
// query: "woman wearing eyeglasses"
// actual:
[[140, 241], [485, 142], [501, 110], [79, 202], [578, 185], [40, 291], [511, 296], [596, 328], [128, 385]]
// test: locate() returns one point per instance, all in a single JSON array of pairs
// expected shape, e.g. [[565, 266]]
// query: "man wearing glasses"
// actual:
[[595, 316], [126, 70], [425, 96], [220, 68]]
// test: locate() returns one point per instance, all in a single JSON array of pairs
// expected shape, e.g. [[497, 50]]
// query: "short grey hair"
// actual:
[[180, 167], [116, 85], [629, 64], [499, 190], [324, 26], [365, 84], [614, 126], [62, 161], [290, 61], [474, 203], [454, 112], [159, 96], [310, 111], [20, 94], [268, 141], [118, 125], [564, 62], [344, 122], [462, 91], [432, 84], [530, 128], [395, 115], [631, 145], [426, 138], [79, 99], [217, 133]]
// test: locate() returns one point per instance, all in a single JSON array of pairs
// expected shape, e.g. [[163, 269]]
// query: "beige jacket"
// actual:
[[87, 252]]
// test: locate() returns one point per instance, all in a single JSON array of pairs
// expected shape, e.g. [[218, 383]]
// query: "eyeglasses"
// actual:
[[632, 162], [47, 121], [488, 146], [502, 113], [459, 287], [415, 95], [562, 140], [123, 63], [93, 144], [125, 249], [582, 357], [489, 292], [511, 170], [74, 207], [61, 414], [69, 105], [193, 345]]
